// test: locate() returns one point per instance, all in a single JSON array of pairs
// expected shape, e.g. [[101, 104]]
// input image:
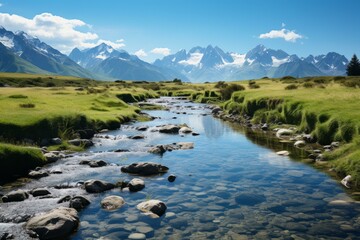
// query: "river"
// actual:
[[227, 187]]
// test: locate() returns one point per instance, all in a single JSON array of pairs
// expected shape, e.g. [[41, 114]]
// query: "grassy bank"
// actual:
[[17, 161], [325, 107]]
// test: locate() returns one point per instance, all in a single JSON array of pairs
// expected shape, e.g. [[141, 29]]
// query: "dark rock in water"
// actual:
[[56, 141], [84, 162], [38, 174], [169, 129], [121, 150], [56, 224], [136, 137], [136, 184], [216, 110], [145, 168], [79, 202], [195, 134], [56, 171], [157, 149], [81, 142], [142, 128], [112, 202], [152, 206], [86, 133], [250, 199], [326, 229], [15, 196], [97, 163], [64, 199], [265, 127], [171, 178], [97, 186], [40, 192], [6, 236], [122, 184], [52, 157]]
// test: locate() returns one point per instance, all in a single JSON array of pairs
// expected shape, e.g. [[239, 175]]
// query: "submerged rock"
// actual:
[[97, 186], [152, 206], [56, 224], [145, 168], [112, 202], [142, 128], [15, 196], [250, 199], [136, 137]]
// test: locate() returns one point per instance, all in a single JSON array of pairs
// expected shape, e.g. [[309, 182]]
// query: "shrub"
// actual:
[[228, 91], [27, 105], [291, 87], [308, 85], [253, 85], [18, 96], [221, 84]]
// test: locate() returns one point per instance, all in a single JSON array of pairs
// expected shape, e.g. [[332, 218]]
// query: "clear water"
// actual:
[[227, 187]]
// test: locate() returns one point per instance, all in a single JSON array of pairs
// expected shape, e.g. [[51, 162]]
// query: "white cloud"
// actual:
[[1, 4], [140, 53], [59, 32], [283, 25], [287, 35], [161, 51]]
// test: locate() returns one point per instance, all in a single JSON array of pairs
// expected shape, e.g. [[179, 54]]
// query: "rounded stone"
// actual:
[[137, 236], [112, 202]]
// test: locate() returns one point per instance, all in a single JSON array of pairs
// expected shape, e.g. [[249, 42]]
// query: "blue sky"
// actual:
[[154, 28]]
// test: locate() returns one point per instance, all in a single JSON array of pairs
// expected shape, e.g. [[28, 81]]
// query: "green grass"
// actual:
[[17, 161]]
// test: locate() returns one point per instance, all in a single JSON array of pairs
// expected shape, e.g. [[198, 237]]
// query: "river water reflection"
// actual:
[[226, 188]]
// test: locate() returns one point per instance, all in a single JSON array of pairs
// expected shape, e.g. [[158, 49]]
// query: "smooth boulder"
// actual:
[[145, 168], [283, 132], [152, 206], [38, 174], [299, 144], [112, 202], [15, 196], [37, 192], [169, 129], [136, 184], [56, 224], [97, 186], [185, 130]]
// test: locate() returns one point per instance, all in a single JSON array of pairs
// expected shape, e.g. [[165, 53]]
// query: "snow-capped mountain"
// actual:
[[119, 64], [213, 64], [36, 53]]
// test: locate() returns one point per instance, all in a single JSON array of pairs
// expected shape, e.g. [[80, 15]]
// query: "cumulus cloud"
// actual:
[[287, 35], [161, 51], [140, 53], [61, 33]]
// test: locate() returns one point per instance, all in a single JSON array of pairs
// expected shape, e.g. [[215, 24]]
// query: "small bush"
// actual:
[[221, 84], [308, 85], [291, 87], [228, 91], [18, 96], [27, 105]]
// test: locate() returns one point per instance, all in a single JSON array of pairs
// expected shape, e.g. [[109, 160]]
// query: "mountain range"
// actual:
[[20, 52], [213, 64]]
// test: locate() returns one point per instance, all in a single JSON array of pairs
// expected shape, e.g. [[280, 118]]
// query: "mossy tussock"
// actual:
[[17, 161]]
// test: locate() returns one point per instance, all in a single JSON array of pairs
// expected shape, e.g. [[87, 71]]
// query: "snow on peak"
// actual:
[[194, 59], [278, 62], [7, 42]]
